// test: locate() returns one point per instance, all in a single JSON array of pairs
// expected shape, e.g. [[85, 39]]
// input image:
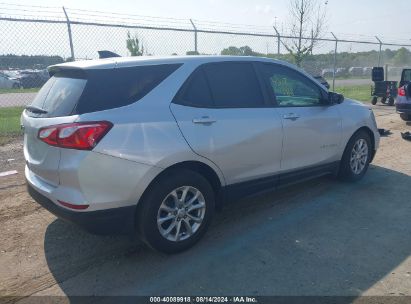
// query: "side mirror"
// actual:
[[335, 98]]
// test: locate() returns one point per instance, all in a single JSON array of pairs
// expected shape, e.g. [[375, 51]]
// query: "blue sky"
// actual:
[[353, 17]]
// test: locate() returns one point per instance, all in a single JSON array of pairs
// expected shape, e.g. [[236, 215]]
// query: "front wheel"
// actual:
[[356, 157], [176, 211], [374, 100], [391, 101]]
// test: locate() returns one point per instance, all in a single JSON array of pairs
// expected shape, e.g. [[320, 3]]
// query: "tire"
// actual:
[[405, 117], [374, 101], [159, 204], [347, 172], [391, 101], [384, 100]]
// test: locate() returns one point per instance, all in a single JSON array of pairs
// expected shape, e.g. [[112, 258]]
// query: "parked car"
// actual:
[[8, 83], [327, 73], [403, 100], [367, 71], [154, 145], [32, 79], [356, 71], [322, 81]]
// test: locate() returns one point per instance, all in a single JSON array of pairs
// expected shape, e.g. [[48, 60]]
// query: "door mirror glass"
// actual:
[[335, 98]]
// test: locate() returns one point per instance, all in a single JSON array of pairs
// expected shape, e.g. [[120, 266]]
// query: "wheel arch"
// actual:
[[205, 170], [372, 137]]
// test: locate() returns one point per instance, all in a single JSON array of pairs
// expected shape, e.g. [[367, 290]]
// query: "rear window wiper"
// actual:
[[35, 109]]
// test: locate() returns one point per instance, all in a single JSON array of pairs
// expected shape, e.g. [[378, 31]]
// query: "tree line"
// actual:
[[12, 61], [400, 57]]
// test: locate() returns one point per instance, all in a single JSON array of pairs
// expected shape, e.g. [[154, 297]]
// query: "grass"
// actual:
[[9, 124], [8, 91], [361, 92]]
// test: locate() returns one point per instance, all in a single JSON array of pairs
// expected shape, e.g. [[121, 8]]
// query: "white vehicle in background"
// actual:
[[7, 83]]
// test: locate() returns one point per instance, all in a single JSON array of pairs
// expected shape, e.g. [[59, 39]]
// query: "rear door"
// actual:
[[53, 105], [405, 77], [312, 128], [224, 116]]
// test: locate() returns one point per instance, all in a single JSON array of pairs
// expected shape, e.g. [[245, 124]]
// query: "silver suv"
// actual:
[[155, 145]]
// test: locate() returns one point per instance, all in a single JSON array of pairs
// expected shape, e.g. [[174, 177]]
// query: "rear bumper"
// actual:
[[107, 221], [403, 108]]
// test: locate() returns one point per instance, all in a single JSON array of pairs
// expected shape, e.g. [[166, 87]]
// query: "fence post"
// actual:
[[278, 40], [69, 34], [195, 36], [379, 54], [335, 59]]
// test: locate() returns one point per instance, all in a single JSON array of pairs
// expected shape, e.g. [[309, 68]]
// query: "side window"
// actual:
[[291, 89], [234, 85], [196, 91], [113, 88]]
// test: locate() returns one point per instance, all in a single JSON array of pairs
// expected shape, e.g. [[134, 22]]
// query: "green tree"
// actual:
[[241, 51], [133, 45], [192, 53], [402, 57], [307, 24]]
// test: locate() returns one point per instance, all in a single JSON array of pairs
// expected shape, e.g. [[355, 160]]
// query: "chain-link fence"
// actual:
[[32, 39]]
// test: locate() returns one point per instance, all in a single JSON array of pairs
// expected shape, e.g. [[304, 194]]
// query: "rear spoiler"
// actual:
[[80, 66], [107, 54]]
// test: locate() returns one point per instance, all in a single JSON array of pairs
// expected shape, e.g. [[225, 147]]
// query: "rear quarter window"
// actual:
[[108, 89]]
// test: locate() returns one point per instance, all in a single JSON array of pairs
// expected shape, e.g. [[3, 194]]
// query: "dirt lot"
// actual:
[[321, 237]]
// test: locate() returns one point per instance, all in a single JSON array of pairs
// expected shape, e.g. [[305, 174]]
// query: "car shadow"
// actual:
[[322, 237]]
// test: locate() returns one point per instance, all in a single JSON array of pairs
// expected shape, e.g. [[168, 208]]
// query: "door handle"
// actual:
[[205, 120], [291, 116]]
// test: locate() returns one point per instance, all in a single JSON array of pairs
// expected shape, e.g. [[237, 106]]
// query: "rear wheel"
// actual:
[[374, 100], [356, 157], [406, 117], [384, 100], [391, 101], [176, 212]]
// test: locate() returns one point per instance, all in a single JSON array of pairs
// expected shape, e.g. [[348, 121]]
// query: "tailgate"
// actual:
[[42, 159]]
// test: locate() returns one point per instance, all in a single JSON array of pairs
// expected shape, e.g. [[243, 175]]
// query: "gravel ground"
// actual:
[[322, 237]]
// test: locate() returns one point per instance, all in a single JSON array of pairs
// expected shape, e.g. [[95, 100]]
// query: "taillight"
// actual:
[[79, 135], [401, 91]]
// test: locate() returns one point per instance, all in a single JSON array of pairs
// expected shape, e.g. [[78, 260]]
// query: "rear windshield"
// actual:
[[78, 92]]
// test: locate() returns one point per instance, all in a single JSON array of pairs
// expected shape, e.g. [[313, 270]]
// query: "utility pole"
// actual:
[[195, 36], [278, 40], [379, 54], [335, 59], [69, 34]]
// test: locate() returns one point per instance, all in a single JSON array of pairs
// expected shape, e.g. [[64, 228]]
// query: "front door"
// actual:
[[312, 127]]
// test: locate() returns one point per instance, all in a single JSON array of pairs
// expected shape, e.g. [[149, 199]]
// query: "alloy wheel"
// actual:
[[181, 213]]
